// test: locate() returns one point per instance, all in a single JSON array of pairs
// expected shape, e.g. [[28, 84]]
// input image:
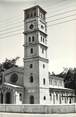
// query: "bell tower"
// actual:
[[36, 79]]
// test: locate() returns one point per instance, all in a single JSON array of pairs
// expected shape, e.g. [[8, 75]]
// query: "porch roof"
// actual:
[[12, 86]]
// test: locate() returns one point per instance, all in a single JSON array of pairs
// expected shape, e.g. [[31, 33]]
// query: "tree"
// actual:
[[69, 78], [8, 64]]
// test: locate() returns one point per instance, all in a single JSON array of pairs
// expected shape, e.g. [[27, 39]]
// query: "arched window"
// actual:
[[42, 50], [43, 65], [44, 81], [44, 97], [31, 79], [70, 101], [33, 38], [29, 39], [31, 99], [20, 96], [31, 51], [42, 27], [41, 38]]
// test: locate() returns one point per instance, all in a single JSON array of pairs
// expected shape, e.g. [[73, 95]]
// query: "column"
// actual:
[[54, 98], [13, 97], [58, 98], [4, 97]]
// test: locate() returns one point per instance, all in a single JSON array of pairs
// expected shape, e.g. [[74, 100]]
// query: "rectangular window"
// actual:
[[31, 51]]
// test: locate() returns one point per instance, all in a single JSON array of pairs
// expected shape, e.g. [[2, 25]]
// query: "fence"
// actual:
[[48, 109]]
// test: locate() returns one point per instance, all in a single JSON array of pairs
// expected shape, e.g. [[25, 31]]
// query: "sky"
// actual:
[[61, 30]]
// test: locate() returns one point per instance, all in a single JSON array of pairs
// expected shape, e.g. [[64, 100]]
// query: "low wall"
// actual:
[[48, 109]]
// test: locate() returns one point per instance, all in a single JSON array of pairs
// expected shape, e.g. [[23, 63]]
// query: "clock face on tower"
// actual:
[[30, 26]]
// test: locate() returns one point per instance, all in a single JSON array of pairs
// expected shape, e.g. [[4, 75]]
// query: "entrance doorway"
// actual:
[[8, 98], [31, 99]]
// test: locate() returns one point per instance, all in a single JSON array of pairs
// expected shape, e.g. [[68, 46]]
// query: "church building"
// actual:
[[33, 84]]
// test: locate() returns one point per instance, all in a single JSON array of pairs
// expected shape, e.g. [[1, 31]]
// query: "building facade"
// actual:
[[33, 84], [11, 86], [58, 93]]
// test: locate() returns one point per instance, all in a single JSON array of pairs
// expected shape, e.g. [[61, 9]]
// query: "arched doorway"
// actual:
[[8, 98], [31, 99], [1, 101]]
